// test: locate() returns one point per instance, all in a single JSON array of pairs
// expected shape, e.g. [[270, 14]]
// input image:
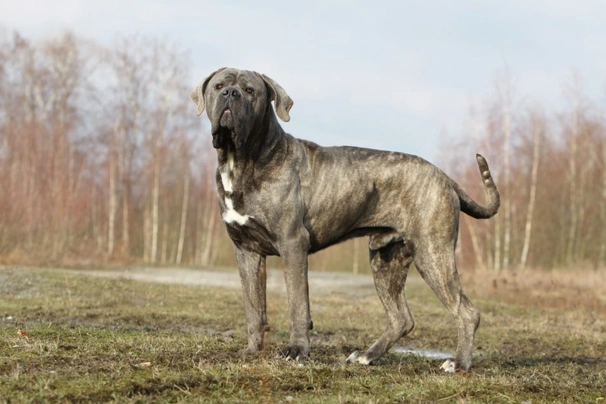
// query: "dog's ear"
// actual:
[[198, 94], [283, 102]]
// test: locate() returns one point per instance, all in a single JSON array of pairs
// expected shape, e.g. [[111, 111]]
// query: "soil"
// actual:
[[319, 282]]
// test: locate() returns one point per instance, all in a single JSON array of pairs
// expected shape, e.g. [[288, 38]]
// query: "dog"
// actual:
[[279, 195]]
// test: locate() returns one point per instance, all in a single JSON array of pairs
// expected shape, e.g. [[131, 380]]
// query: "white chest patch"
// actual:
[[227, 174], [227, 179], [232, 216]]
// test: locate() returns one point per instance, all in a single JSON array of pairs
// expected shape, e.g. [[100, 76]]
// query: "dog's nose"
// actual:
[[231, 92]]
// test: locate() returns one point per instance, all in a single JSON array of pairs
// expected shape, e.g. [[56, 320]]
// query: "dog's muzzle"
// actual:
[[229, 124], [227, 119]]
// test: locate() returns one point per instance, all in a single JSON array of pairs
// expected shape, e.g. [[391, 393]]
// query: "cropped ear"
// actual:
[[198, 94], [282, 101]]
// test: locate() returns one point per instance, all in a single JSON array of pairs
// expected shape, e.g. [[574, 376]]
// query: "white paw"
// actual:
[[448, 366], [357, 358]]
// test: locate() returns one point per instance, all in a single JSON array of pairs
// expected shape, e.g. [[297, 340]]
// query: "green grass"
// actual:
[[103, 340]]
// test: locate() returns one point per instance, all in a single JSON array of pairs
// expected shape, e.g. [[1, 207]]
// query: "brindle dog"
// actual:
[[289, 197]]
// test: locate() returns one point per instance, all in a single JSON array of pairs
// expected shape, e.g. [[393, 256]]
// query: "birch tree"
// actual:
[[183, 221], [537, 127], [602, 250], [505, 94], [572, 177]]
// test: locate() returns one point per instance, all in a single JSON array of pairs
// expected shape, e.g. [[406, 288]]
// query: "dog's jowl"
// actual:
[[280, 195]]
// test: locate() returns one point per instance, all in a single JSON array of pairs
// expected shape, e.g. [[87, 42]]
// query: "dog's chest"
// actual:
[[230, 214], [244, 229]]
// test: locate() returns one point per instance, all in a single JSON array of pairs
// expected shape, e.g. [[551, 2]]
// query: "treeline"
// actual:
[[102, 159], [101, 155], [550, 167]]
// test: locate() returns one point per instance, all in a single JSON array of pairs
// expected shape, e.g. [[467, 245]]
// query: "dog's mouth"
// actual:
[[226, 120], [225, 130]]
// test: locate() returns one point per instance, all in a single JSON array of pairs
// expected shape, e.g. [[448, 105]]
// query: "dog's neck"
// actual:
[[261, 148], [261, 144]]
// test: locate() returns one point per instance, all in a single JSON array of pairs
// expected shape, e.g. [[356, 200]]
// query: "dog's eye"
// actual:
[[249, 90], [218, 86]]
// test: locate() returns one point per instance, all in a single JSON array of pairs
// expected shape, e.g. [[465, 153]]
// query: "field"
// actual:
[[66, 336]]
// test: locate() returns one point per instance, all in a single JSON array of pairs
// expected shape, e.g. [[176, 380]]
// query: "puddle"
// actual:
[[425, 353]]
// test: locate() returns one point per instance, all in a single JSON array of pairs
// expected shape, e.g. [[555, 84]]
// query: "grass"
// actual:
[[66, 337]]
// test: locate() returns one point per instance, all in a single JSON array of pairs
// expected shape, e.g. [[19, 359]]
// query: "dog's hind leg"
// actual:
[[435, 261], [390, 264]]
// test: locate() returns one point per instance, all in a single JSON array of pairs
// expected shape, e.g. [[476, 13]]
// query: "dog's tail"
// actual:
[[471, 207]]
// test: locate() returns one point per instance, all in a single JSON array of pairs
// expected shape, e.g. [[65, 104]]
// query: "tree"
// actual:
[[505, 88], [537, 127]]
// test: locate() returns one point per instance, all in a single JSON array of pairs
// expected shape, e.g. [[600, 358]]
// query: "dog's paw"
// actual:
[[361, 358], [295, 352], [448, 366]]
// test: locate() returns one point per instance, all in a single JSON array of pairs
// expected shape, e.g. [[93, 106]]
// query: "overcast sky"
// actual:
[[383, 74]]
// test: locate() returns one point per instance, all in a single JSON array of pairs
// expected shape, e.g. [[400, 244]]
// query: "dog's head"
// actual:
[[237, 103]]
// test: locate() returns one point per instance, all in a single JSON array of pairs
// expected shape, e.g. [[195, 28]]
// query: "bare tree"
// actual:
[[129, 66], [101, 157], [209, 212], [112, 205], [184, 208], [506, 95], [356, 256], [572, 177], [537, 122], [602, 249]]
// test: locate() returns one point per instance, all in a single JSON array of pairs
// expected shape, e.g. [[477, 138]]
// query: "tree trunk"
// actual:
[[146, 235], [497, 244], [537, 133], [199, 233], [507, 199], [112, 203], [583, 237], [111, 211], [183, 219], [475, 244], [120, 145], [125, 220], [356, 255], [164, 241], [211, 218], [96, 227], [572, 186], [506, 103], [128, 149], [153, 253], [602, 251]]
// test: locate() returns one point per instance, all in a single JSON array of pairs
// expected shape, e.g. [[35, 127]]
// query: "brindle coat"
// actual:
[[284, 196]]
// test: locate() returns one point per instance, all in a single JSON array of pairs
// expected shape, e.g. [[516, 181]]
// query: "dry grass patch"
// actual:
[[573, 289], [103, 340]]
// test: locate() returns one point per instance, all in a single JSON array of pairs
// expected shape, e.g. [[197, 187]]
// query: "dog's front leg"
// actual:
[[253, 276], [297, 292]]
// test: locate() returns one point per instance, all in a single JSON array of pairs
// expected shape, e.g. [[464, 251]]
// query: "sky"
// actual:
[[394, 75]]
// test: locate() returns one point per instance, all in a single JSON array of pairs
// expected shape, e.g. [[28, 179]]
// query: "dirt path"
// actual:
[[319, 282]]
